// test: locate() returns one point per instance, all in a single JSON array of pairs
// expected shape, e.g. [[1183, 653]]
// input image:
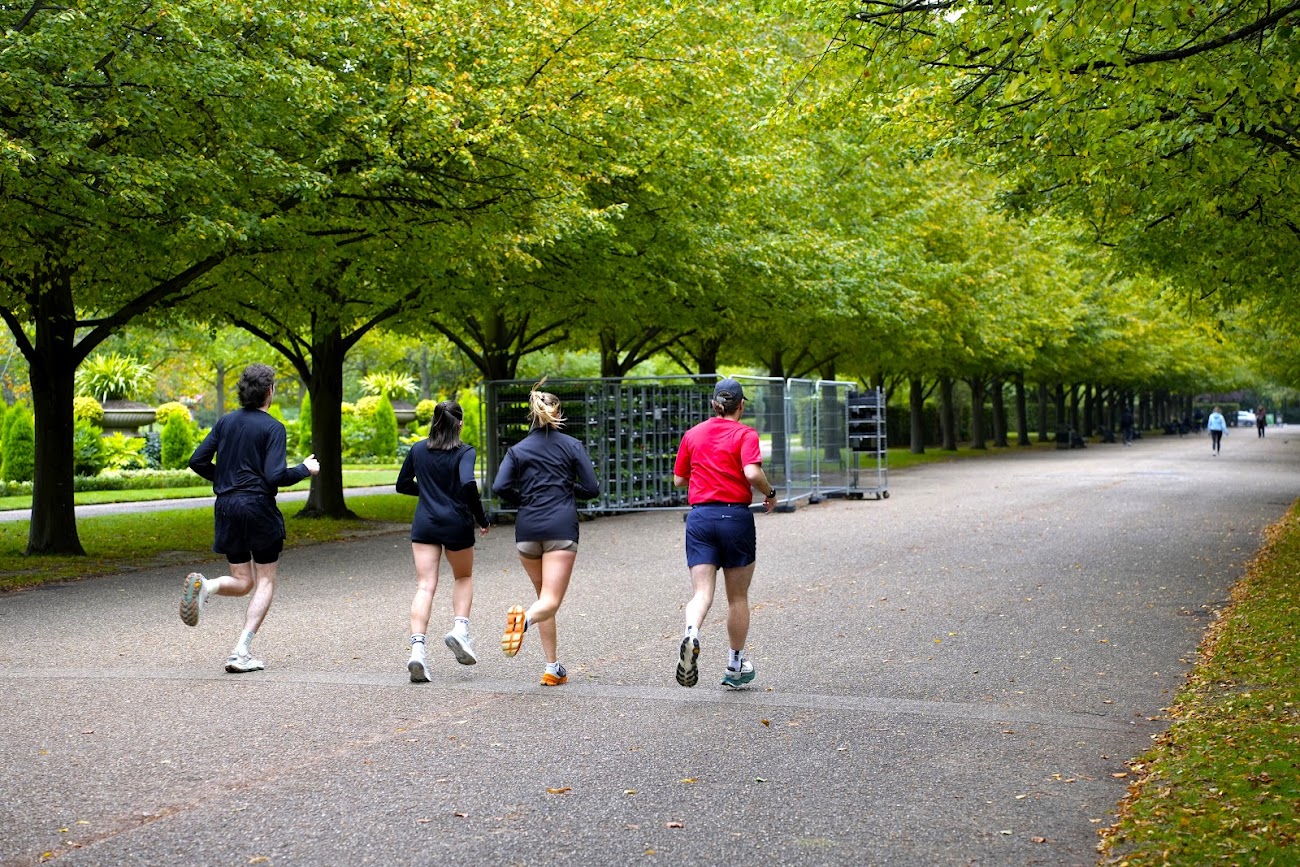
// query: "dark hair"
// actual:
[[255, 384], [444, 429], [725, 403]]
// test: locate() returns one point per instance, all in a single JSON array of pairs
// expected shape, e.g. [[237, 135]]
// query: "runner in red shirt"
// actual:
[[718, 462]]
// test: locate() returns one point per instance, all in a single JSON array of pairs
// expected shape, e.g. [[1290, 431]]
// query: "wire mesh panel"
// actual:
[[632, 429]]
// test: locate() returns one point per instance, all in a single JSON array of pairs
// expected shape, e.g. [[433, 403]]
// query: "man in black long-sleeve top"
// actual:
[[250, 466]]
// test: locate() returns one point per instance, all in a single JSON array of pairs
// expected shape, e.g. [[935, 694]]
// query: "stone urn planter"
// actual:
[[127, 416], [405, 412]]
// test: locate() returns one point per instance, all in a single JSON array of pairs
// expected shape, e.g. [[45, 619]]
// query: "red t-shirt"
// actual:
[[712, 458]]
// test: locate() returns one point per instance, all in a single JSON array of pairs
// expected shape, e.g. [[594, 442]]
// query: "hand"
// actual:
[[483, 531], [312, 465], [769, 503]]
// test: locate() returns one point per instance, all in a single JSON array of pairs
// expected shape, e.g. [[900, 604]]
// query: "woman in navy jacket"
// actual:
[[544, 475], [440, 471]]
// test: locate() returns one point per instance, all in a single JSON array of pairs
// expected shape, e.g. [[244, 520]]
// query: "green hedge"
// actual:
[[137, 480]]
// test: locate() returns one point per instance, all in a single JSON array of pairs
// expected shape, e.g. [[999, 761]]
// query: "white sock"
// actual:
[[245, 643], [692, 631], [417, 644], [210, 586], [552, 668], [461, 627], [735, 659]]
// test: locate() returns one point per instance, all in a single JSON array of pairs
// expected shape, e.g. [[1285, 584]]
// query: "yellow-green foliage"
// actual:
[[19, 447], [424, 412], [383, 443], [367, 405], [88, 409], [171, 408]]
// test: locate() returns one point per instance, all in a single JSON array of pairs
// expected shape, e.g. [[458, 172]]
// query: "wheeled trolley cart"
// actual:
[[868, 444]]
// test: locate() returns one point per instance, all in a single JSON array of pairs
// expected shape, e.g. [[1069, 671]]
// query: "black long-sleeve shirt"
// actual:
[[249, 445], [449, 503], [545, 473]]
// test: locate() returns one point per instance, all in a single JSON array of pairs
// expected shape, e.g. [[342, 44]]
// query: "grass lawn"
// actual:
[[1222, 786], [117, 543]]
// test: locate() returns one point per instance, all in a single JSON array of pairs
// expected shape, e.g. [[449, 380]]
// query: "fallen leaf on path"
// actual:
[[689, 780], [560, 790], [673, 825], [766, 722]]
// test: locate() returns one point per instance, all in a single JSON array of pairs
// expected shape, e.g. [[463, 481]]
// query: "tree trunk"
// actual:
[[53, 366], [1044, 430], [999, 414], [1022, 412], [976, 384], [326, 497], [916, 406], [947, 414]]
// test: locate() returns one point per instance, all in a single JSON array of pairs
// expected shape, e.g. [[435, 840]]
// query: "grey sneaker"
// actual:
[[460, 645], [688, 674], [192, 599], [239, 663], [735, 679]]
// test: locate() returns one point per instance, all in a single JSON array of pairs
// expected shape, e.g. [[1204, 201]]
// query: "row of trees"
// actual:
[[641, 182]]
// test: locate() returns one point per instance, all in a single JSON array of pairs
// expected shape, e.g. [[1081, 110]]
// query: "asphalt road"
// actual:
[[956, 675]]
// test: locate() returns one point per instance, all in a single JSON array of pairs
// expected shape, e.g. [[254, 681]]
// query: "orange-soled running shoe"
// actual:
[[561, 676], [514, 637]]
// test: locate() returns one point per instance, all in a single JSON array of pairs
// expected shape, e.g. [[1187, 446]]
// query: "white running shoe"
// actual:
[[239, 663], [737, 678], [418, 668], [461, 646]]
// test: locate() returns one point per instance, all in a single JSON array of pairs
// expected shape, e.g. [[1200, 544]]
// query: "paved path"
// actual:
[[955, 675]]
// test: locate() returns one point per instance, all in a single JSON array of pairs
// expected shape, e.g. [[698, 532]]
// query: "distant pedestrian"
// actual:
[[1126, 425], [250, 465], [719, 462], [441, 472], [1261, 420], [1217, 427], [544, 474]]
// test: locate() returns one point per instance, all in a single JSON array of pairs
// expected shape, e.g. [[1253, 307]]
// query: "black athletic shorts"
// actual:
[[248, 527]]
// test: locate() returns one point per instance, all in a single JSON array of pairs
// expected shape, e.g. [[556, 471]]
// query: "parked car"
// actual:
[[1245, 417]]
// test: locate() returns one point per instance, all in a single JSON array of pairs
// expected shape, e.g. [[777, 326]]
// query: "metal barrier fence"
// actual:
[[632, 428]]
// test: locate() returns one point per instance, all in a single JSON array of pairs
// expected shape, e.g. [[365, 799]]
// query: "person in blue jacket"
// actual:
[[440, 471], [544, 475], [1217, 426], [249, 448]]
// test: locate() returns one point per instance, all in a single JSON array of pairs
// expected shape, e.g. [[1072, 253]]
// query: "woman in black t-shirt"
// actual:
[[440, 471]]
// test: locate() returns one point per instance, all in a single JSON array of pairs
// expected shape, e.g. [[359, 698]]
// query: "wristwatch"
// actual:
[[771, 495]]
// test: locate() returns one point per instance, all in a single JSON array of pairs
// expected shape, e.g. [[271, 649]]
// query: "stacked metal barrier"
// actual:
[[632, 427]]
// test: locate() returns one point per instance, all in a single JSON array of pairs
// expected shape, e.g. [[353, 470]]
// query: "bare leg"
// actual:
[[263, 591], [550, 577], [462, 592], [427, 560], [704, 581], [737, 581]]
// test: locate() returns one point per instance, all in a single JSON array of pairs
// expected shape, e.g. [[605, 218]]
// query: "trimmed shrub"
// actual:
[[367, 405], [472, 407], [166, 411], [424, 413], [19, 446], [177, 440], [125, 453], [138, 480], [89, 456], [88, 409], [383, 443]]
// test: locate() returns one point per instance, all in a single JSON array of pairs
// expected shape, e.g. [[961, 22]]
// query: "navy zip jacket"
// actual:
[[449, 505], [544, 474]]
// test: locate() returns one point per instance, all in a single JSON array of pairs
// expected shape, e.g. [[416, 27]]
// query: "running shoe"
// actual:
[[514, 637], [419, 669], [239, 663], [688, 674], [192, 599], [460, 645], [561, 676], [735, 679]]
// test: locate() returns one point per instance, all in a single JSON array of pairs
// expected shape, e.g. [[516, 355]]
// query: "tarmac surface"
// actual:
[[955, 675]]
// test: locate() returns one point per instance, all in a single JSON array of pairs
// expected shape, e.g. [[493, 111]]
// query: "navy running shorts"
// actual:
[[248, 527], [720, 535]]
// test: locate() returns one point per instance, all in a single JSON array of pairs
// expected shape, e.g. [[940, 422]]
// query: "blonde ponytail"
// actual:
[[544, 408]]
